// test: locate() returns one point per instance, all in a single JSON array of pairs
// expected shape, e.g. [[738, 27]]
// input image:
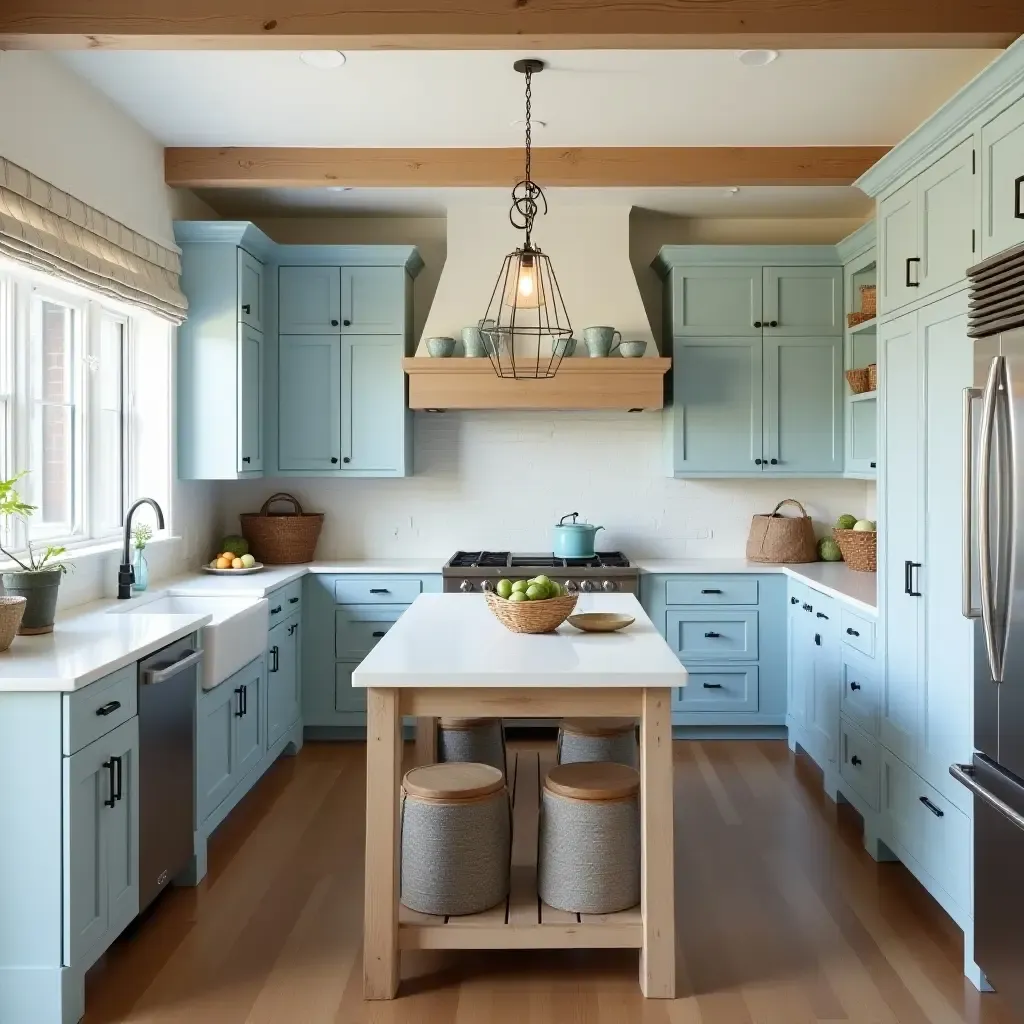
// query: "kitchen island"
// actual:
[[448, 655]]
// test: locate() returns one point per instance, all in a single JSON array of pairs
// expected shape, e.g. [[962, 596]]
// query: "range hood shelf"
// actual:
[[581, 383]]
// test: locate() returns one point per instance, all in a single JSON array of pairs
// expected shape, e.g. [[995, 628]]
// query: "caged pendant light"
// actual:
[[526, 324]]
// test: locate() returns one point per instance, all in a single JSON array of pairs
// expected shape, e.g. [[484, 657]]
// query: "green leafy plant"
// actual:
[[13, 507], [142, 534]]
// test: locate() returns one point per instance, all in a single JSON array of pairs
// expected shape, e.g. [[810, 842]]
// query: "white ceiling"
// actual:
[[588, 97]]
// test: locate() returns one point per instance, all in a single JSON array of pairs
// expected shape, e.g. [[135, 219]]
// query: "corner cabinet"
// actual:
[[1002, 182], [757, 336]]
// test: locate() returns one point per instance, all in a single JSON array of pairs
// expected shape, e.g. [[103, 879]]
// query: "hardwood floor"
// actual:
[[782, 919]]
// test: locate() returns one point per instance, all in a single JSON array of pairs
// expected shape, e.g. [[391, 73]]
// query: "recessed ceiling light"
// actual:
[[757, 58], [338, 188], [731, 191], [323, 59]]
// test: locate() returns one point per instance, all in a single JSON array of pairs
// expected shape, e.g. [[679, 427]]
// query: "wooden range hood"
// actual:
[[581, 383]]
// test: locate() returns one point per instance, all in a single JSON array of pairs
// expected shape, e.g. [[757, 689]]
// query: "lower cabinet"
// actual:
[[101, 843], [284, 699]]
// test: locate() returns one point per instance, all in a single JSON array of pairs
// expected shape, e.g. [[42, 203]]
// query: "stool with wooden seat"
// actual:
[[588, 855], [598, 739], [479, 740], [456, 833]]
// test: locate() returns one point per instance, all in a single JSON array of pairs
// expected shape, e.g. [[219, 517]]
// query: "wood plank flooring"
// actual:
[[782, 919]]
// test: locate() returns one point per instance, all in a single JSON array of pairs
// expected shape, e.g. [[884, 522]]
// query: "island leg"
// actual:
[[426, 742], [381, 964], [657, 847]]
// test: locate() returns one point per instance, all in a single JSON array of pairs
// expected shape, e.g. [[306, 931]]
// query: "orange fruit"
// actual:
[[229, 555], [236, 563], [223, 563]]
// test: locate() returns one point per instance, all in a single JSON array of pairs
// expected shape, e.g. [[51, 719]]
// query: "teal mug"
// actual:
[[599, 340]]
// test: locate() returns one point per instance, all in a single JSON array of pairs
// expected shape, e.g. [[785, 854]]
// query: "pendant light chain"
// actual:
[[526, 193]]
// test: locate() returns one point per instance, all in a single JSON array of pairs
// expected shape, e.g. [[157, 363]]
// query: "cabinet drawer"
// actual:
[[858, 632], [861, 691], [284, 601], [712, 635], [711, 590], [358, 628], [99, 708], [859, 762], [719, 688], [377, 590]]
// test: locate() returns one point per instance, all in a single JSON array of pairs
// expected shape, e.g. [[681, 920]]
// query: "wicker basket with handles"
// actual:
[[776, 538], [11, 611], [531, 616], [282, 538], [859, 548], [858, 381]]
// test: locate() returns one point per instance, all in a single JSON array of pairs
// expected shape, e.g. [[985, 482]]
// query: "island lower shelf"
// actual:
[[523, 921]]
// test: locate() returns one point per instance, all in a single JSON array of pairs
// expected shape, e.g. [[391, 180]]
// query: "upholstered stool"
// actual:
[[588, 856], [480, 740], [598, 739], [456, 833]]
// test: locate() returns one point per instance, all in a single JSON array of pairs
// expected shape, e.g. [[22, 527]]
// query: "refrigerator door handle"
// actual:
[[988, 427], [964, 774], [971, 395]]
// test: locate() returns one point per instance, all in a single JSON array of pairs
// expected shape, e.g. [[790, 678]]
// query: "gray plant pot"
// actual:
[[40, 591]]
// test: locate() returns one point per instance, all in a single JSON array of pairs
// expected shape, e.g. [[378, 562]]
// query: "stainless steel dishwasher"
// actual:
[[168, 681]]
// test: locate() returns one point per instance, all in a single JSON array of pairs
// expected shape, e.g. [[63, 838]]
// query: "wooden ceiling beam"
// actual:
[[605, 167], [502, 24]]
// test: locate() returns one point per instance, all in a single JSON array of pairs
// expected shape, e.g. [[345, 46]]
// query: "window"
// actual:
[[66, 406]]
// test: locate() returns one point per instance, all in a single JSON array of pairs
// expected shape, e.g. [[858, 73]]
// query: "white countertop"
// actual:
[[453, 640]]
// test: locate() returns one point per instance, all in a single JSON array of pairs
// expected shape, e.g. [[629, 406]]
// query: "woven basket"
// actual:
[[872, 376], [858, 381], [868, 293], [531, 616], [282, 538], [852, 319], [776, 538], [11, 611], [859, 548]]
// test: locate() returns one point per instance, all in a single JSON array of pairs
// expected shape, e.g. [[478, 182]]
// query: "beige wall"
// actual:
[[648, 232]]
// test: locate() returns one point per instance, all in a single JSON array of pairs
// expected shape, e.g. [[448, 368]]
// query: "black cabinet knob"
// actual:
[[334, 323], [775, 462], [276, 610], [852, 632], [346, 459], [347, 323], [794, 600], [757, 462], [773, 323], [757, 323], [334, 458], [821, 615], [808, 608], [245, 458], [245, 308], [293, 600], [856, 761], [874, 465], [854, 686], [817, 639]]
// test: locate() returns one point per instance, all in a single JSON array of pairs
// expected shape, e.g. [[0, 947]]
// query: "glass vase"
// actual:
[[141, 567]]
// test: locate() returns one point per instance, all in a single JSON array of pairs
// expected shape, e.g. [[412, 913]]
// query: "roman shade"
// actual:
[[997, 294], [47, 229]]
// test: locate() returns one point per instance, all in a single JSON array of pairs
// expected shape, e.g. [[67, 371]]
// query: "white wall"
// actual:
[[65, 131]]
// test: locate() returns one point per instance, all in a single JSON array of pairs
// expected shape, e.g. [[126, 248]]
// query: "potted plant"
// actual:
[[38, 577], [142, 534]]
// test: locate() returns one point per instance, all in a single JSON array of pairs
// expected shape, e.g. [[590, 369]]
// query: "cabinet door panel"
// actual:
[[373, 422], [900, 529], [803, 404], [346, 696], [309, 300], [250, 399], [372, 300], [716, 301], [822, 716], [122, 829], [309, 402], [898, 242], [215, 741], [946, 209], [282, 679], [1002, 184], [803, 300], [862, 437], [717, 416], [250, 291], [250, 732]]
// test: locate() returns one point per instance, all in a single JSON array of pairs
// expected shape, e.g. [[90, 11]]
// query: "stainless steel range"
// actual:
[[472, 572]]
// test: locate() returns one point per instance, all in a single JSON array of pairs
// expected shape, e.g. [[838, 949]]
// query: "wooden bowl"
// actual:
[[600, 622], [531, 616]]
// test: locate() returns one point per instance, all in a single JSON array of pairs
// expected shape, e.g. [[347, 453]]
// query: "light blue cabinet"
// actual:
[[309, 300], [283, 679], [373, 300], [250, 731], [251, 295], [802, 301], [341, 300], [309, 402], [1002, 180], [374, 428], [716, 301], [250, 399]]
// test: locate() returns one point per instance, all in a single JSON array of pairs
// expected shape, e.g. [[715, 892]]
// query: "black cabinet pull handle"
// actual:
[[808, 608], [245, 308], [712, 635], [293, 628], [874, 465], [293, 600], [851, 632], [757, 323], [346, 459], [938, 812], [757, 462], [710, 590], [379, 590], [712, 686], [817, 639], [794, 600], [334, 460], [912, 259], [856, 761], [245, 458], [109, 765], [276, 610], [108, 709], [240, 690], [347, 323], [908, 578], [275, 654], [773, 323], [774, 462], [854, 686], [379, 632], [119, 795], [1017, 211], [334, 323], [822, 615]]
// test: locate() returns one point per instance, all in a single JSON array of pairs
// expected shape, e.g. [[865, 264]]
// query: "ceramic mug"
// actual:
[[563, 347], [631, 349], [599, 340], [473, 342], [440, 347]]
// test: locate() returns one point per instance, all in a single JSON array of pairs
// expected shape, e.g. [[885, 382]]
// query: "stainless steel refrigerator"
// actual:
[[993, 584]]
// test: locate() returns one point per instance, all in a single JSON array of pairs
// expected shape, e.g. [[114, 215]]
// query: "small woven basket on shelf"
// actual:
[[282, 538], [859, 548], [531, 616], [868, 299], [858, 381], [872, 376], [852, 319], [11, 611]]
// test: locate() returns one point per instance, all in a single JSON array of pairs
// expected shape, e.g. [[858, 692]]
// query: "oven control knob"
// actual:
[[570, 586], [465, 586], [608, 586], [586, 586], [487, 586]]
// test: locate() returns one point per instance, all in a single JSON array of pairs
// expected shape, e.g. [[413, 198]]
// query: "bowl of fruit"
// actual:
[[233, 558], [538, 605]]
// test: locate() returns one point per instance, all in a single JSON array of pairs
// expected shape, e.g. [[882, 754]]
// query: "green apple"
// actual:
[[541, 579], [517, 595], [519, 587], [503, 588], [554, 590], [537, 592], [248, 561]]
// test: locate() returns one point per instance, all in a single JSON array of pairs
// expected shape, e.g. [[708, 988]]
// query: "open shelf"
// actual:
[[523, 921], [865, 396], [866, 325]]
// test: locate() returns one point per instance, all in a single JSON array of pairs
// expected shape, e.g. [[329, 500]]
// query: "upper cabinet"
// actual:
[[720, 301], [1002, 182], [221, 350], [341, 300], [309, 300], [805, 301]]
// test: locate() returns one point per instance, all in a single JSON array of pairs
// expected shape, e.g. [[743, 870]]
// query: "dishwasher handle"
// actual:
[[161, 675]]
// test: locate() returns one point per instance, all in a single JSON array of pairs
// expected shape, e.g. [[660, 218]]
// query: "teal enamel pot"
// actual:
[[573, 540]]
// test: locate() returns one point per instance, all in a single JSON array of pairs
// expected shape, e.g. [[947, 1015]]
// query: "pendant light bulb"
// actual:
[[524, 292]]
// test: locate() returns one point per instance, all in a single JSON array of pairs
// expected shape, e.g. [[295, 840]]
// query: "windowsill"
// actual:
[[92, 549]]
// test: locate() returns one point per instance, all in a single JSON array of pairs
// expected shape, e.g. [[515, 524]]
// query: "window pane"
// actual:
[[108, 461]]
